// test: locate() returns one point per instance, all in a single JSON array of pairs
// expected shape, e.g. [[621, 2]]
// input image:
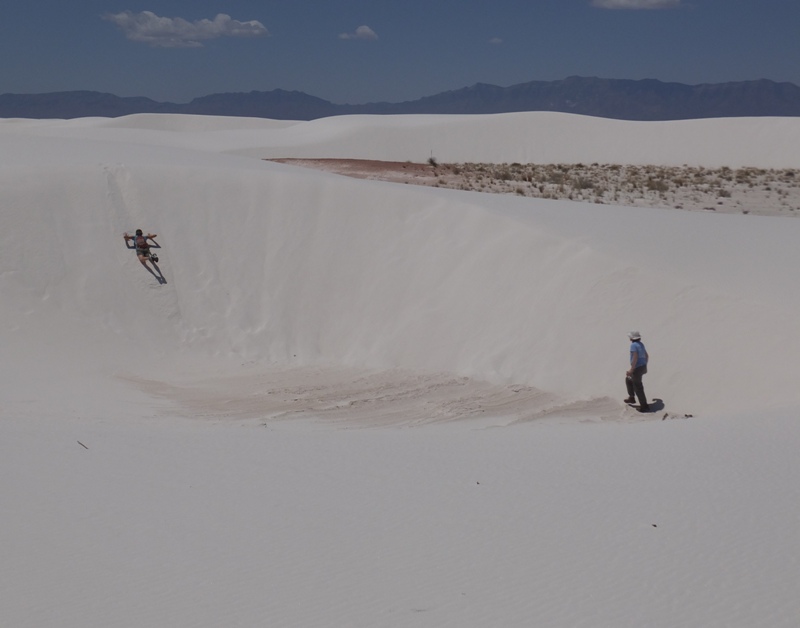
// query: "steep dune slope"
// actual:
[[282, 266], [370, 304]]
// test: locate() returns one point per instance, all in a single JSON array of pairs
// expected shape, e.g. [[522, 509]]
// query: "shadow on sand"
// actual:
[[156, 273]]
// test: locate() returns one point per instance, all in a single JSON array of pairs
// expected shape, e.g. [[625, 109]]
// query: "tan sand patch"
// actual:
[[351, 397]]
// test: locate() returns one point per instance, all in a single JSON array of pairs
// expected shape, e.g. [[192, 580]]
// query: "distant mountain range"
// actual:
[[607, 98]]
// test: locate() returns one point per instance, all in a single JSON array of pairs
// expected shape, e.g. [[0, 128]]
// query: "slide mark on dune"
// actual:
[[126, 204]]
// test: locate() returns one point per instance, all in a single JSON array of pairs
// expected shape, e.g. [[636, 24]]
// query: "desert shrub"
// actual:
[[657, 185]]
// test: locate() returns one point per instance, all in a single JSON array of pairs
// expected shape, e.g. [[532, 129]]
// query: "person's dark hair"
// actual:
[[138, 232]]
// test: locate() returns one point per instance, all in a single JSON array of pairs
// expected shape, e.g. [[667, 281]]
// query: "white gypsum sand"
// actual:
[[232, 447]]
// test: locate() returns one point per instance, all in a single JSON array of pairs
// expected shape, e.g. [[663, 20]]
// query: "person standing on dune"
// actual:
[[638, 367]]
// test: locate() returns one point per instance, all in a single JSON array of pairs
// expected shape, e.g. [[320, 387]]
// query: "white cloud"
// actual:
[[636, 4], [496, 41], [175, 32], [362, 32]]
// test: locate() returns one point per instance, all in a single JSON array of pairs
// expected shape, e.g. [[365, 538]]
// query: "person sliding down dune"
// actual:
[[142, 246]]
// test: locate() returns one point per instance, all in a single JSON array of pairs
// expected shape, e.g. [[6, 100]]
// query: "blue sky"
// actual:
[[357, 51]]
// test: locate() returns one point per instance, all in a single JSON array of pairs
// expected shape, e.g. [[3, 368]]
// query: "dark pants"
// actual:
[[634, 384]]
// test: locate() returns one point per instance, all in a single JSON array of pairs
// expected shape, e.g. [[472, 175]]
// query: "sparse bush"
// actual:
[[657, 185], [770, 189]]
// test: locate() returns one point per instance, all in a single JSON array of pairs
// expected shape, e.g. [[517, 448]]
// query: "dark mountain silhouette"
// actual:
[[609, 98], [277, 104], [77, 105]]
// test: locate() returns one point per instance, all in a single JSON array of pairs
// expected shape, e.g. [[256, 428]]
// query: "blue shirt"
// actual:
[[637, 348]]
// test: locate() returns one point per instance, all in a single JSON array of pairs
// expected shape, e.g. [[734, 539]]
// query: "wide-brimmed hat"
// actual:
[[634, 335]]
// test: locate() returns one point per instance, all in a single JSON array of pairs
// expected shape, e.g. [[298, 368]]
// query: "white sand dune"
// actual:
[[541, 137], [198, 496]]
